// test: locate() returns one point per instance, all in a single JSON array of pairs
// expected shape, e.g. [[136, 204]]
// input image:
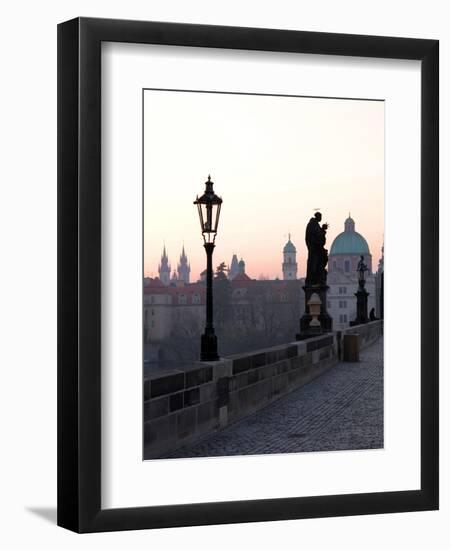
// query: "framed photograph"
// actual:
[[247, 274]]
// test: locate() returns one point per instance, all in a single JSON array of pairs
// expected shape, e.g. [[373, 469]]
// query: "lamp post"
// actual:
[[208, 206]]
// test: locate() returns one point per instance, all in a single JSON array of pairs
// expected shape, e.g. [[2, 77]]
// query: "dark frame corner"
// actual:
[[79, 321]]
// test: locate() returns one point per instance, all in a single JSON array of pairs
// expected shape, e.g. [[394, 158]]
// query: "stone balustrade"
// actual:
[[184, 405]]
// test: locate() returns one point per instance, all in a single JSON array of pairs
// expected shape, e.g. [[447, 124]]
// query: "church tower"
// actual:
[[184, 268], [289, 265], [164, 268], [241, 267], [234, 268]]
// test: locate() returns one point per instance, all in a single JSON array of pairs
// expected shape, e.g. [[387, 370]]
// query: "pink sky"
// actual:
[[273, 160]]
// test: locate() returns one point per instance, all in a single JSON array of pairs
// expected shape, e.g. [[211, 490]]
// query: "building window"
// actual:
[[342, 290], [152, 299], [347, 266], [182, 299], [196, 299], [153, 312], [343, 318], [343, 304]]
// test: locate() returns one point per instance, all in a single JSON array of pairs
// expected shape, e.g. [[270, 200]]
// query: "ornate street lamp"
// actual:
[[209, 205]]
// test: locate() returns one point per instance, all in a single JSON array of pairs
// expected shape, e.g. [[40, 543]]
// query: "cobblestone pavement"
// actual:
[[342, 409]]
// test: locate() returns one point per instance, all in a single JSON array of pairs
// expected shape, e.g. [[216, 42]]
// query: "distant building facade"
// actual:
[[175, 306], [344, 255]]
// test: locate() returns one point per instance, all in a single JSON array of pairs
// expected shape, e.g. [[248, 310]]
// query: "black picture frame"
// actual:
[[79, 274]]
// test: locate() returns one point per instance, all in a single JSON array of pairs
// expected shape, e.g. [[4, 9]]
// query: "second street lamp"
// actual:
[[209, 205]]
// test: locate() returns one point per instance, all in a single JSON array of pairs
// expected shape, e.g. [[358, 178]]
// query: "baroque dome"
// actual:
[[349, 242]]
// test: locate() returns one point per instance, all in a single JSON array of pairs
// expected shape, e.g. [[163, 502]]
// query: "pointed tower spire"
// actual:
[[234, 268], [164, 267], [184, 268], [183, 254]]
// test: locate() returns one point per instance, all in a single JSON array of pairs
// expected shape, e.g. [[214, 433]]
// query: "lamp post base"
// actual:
[[208, 350]]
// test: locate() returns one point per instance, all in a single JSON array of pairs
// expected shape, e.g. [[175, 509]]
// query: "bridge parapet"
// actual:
[[184, 405], [368, 334]]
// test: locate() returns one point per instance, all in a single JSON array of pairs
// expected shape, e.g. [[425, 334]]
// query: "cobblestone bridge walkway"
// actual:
[[342, 409]]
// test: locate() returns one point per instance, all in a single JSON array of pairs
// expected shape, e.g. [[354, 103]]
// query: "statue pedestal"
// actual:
[[326, 322], [361, 307]]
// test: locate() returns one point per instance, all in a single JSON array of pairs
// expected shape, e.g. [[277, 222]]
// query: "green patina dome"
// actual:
[[349, 242], [289, 247]]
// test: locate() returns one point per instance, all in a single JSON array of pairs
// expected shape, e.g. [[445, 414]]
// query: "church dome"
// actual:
[[349, 242], [289, 247]]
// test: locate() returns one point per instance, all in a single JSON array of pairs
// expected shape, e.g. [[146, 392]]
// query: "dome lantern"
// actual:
[[349, 224]]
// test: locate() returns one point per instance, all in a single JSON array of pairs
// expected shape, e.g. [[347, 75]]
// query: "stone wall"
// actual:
[[181, 406]]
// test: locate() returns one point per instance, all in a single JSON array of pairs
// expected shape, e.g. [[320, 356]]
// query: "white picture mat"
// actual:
[[127, 480]]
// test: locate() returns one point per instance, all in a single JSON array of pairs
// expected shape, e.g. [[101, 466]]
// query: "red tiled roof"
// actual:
[[157, 287], [241, 277], [187, 290], [153, 283]]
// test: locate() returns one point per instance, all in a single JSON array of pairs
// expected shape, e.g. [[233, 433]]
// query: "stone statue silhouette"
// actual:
[[316, 279], [315, 237], [361, 269]]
